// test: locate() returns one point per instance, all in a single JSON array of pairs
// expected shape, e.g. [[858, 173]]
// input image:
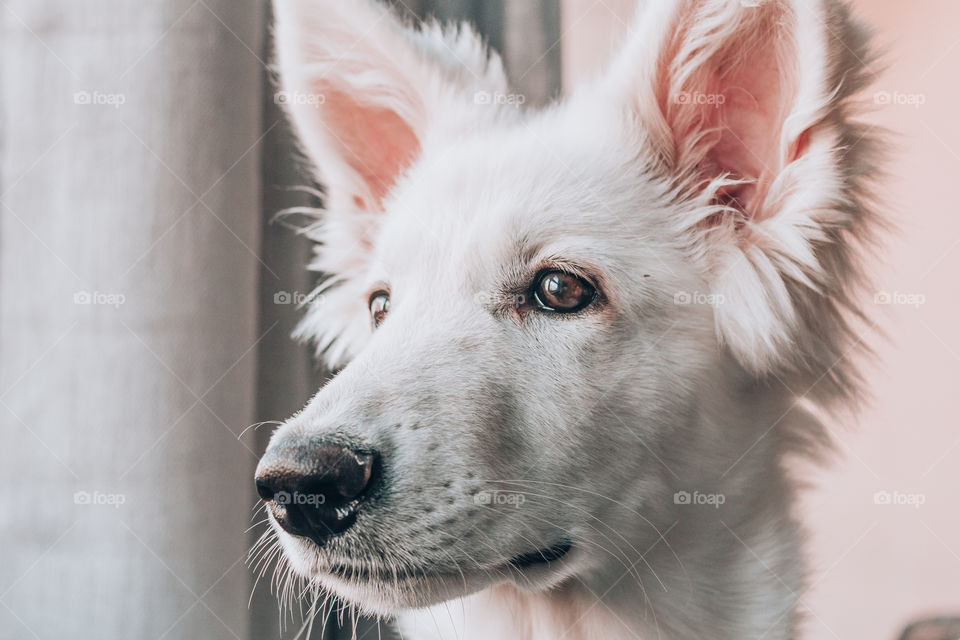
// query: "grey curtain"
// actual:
[[146, 299], [129, 234]]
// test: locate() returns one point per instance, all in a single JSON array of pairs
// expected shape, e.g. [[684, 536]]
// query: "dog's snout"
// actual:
[[314, 489]]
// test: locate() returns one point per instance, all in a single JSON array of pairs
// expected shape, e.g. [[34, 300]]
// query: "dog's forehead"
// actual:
[[510, 189]]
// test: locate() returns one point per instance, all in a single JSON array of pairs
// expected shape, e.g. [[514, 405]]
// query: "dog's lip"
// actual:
[[542, 556], [357, 574], [520, 562], [347, 571]]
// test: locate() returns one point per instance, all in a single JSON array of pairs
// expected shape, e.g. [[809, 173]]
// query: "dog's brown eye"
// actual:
[[379, 307], [562, 292]]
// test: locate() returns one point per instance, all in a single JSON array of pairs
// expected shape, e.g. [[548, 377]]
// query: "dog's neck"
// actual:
[[722, 573], [723, 598], [505, 612]]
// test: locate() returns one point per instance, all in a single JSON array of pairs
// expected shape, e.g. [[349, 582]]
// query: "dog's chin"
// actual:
[[376, 588], [384, 597]]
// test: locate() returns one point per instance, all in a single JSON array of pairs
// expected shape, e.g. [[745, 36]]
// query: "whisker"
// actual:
[[257, 425]]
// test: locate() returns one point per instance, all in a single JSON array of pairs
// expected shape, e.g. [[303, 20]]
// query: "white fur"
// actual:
[[598, 419]]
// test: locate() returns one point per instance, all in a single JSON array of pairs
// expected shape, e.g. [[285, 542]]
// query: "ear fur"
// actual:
[[746, 106]]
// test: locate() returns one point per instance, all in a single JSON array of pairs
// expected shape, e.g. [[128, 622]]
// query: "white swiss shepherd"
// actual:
[[580, 343]]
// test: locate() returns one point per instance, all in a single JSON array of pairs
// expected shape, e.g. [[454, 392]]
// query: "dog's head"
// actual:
[[540, 313]]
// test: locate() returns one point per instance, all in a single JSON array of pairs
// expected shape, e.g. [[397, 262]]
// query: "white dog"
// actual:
[[581, 343]]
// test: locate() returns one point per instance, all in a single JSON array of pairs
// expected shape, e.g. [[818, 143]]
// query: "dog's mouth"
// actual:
[[383, 584], [542, 556]]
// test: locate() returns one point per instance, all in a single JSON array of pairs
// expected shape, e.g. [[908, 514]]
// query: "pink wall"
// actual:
[[877, 566]]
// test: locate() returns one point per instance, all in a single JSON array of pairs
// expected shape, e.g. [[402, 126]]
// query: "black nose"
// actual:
[[314, 489]]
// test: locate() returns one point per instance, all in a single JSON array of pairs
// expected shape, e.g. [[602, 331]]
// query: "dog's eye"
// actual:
[[562, 292], [379, 307]]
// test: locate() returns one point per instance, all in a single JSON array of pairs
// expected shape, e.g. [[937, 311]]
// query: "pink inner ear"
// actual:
[[374, 141], [727, 114]]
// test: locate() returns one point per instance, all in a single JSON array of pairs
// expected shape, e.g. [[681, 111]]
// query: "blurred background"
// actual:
[[147, 294]]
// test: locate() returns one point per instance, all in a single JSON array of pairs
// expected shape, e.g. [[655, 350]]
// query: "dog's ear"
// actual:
[[744, 104], [363, 90], [365, 94]]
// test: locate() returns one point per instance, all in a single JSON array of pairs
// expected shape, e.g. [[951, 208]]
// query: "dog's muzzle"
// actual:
[[314, 490]]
